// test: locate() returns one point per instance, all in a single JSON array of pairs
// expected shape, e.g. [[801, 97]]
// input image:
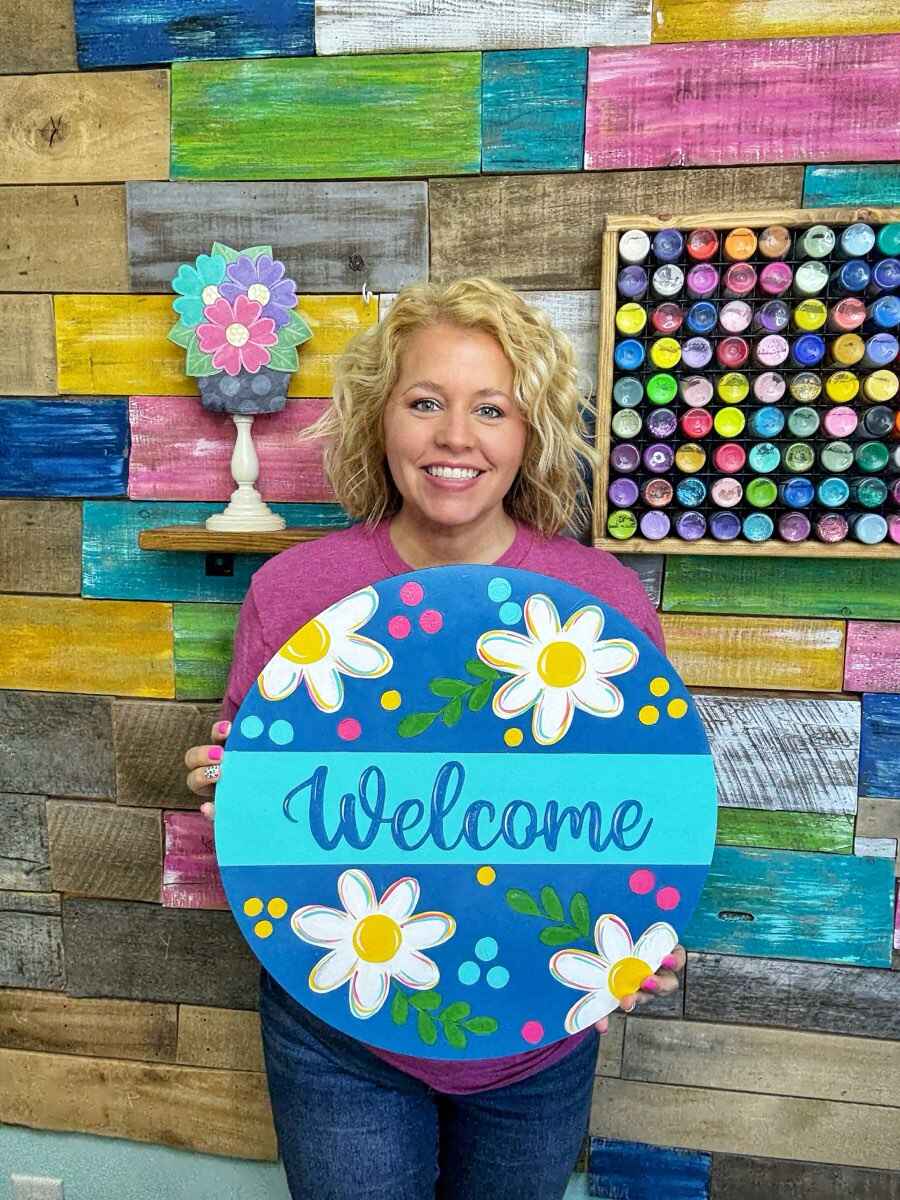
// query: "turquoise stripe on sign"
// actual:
[[436, 808]]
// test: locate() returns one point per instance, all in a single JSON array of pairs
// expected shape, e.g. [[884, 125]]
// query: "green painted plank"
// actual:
[[851, 183], [789, 587], [203, 639], [827, 832], [368, 116]]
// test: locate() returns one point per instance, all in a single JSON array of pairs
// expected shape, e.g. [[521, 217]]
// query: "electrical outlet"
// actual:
[[34, 1187]]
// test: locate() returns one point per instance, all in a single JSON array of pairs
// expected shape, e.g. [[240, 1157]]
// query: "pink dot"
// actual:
[[668, 898], [532, 1032], [431, 620], [399, 627], [641, 881], [349, 729], [412, 593]]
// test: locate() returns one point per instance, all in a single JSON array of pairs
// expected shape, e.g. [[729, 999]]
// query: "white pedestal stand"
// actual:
[[247, 510]]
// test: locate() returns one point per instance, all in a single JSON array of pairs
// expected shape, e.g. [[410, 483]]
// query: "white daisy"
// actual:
[[325, 647], [617, 969], [372, 941], [557, 669]]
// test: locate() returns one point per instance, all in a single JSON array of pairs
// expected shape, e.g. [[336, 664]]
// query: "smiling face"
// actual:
[[454, 435]]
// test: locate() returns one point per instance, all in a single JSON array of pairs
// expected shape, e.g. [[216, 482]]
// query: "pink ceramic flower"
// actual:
[[237, 336]]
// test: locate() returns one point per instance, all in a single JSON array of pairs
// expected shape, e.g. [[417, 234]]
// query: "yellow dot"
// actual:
[[513, 737], [677, 708], [253, 907], [648, 715], [561, 664], [390, 700], [277, 907], [659, 686], [263, 929], [377, 938], [486, 875]]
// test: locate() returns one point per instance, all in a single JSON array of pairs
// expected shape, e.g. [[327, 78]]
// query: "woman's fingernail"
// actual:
[[626, 1006], [670, 962], [215, 753], [224, 728], [603, 1026], [211, 774], [649, 984]]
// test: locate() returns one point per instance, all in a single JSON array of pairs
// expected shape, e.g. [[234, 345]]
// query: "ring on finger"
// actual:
[[211, 773]]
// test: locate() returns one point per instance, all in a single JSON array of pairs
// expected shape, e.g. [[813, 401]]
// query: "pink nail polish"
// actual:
[[215, 753], [670, 962], [649, 984], [223, 728]]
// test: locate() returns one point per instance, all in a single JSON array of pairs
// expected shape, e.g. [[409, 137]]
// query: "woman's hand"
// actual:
[[663, 983], [203, 767]]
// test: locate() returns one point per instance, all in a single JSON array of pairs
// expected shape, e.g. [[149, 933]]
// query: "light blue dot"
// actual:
[[486, 949], [498, 977], [281, 732], [252, 727], [510, 613], [499, 589], [468, 973]]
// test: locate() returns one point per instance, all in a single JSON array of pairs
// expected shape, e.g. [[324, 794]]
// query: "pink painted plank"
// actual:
[[190, 871], [830, 99], [179, 451], [872, 662]]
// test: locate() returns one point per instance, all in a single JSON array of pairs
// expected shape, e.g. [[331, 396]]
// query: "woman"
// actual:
[[455, 437]]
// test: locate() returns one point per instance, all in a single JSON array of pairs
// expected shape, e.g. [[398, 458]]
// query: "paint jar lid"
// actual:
[[767, 422], [632, 281], [817, 242], [878, 421], [761, 492], [810, 315], [661, 422], [740, 244], [621, 524], [894, 528], [729, 422], [764, 457], [724, 526], [773, 316], [869, 491], [729, 458], [735, 316], [848, 314], [841, 421], [857, 240], [658, 458], [665, 353], [870, 528], [775, 278], [702, 244], [798, 492], [740, 278], [628, 391], [667, 317], [701, 317], [690, 525], [848, 349], [733, 352], [886, 274], [805, 386], [668, 245], [833, 492], [628, 354], [836, 457], [625, 457], [668, 280], [771, 350], [872, 456], [696, 390], [881, 350], [794, 527], [831, 527], [727, 492], [808, 349], [810, 278], [733, 387], [626, 423], [657, 493], [758, 527], [655, 525], [799, 456], [841, 386], [884, 312], [889, 238], [803, 422], [623, 493], [697, 422], [853, 275], [631, 318], [689, 457], [634, 246], [661, 388], [769, 387], [775, 242], [696, 352], [702, 280], [690, 492]]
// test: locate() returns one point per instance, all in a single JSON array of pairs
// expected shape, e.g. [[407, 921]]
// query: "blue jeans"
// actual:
[[352, 1127]]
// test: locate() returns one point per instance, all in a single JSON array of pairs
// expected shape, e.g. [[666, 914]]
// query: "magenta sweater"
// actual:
[[299, 583]]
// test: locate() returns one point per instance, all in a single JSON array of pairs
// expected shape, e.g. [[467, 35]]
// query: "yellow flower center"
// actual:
[[377, 938], [237, 334], [627, 975], [210, 294], [308, 645], [561, 664], [258, 292]]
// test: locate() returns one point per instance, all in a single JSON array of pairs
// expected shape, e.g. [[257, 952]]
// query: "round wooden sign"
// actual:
[[465, 810]]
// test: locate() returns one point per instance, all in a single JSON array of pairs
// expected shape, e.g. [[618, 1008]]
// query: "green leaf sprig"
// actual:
[[454, 1021], [564, 930], [457, 693]]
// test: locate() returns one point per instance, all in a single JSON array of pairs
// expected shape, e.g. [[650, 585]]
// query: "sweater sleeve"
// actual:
[[248, 658]]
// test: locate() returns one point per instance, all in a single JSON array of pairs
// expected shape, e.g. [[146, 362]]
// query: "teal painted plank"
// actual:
[[784, 904], [370, 116], [204, 635], [879, 750], [851, 183], [533, 110], [114, 566]]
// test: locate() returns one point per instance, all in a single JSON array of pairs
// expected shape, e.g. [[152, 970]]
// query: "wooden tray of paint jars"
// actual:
[[796, 222]]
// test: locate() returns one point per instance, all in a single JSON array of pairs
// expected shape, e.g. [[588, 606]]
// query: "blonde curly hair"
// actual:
[[549, 492]]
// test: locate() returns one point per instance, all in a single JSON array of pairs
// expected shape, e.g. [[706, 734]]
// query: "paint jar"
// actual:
[[668, 245], [740, 244], [841, 386], [794, 527], [690, 492], [808, 350], [869, 528], [735, 316], [851, 277], [626, 424], [621, 524], [816, 242], [810, 315], [667, 281], [702, 280], [661, 423], [799, 456], [803, 422], [868, 491], [739, 279], [725, 526], [655, 525], [881, 350], [845, 316], [628, 354], [696, 352], [805, 386], [878, 421], [871, 457], [836, 457], [847, 350], [696, 423], [696, 390], [889, 238], [733, 352], [628, 392], [797, 492], [767, 422], [833, 492], [831, 528], [884, 312], [772, 317], [895, 492], [665, 353], [764, 458], [690, 526], [632, 283], [690, 458], [775, 242], [661, 388], [885, 276], [769, 387], [771, 350], [855, 241], [894, 529], [624, 458], [702, 244], [657, 493], [810, 278], [631, 318], [881, 386], [623, 493], [634, 246], [729, 458], [841, 422], [758, 527], [733, 387], [701, 317], [726, 492], [761, 493], [658, 458], [667, 318], [775, 278]]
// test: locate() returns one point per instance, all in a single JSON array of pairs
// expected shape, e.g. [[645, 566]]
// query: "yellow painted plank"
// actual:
[[106, 647], [707, 20], [756, 652], [28, 360], [117, 345]]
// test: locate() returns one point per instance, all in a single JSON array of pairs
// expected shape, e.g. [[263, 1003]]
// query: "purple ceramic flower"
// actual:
[[261, 279]]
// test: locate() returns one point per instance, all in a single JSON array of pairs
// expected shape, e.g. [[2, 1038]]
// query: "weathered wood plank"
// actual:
[[878, 847], [789, 587], [743, 1177], [114, 33], [415, 114], [873, 657], [31, 945], [191, 876], [532, 110], [879, 758], [332, 237], [144, 952], [756, 652], [204, 635], [663, 106], [543, 231], [48, 903], [96, 646], [36, 37], [40, 546], [878, 817], [823, 1066], [345, 28], [794, 995], [577, 315], [745, 1123], [219, 1037], [624, 1170], [56, 744], [825, 832], [213, 1112], [63, 447], [83, 128], [57, 1024], [28, 364], [649, 570], [796, 754], [860, 183], [114, 345], [63, 239], [824, 907], [149, 740], [180, 451], [705, 20], [609, 1057], [105, 850], [24, 852]]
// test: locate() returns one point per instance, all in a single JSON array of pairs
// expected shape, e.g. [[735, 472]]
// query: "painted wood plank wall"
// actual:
[[879, 759], [190, 876], [28, 362], [204, 634], [149, 739], [63, 447], [36, 37], [532, 110], [705, 20], [56, 744], [864, 183], [873, 657], [40, 546]]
